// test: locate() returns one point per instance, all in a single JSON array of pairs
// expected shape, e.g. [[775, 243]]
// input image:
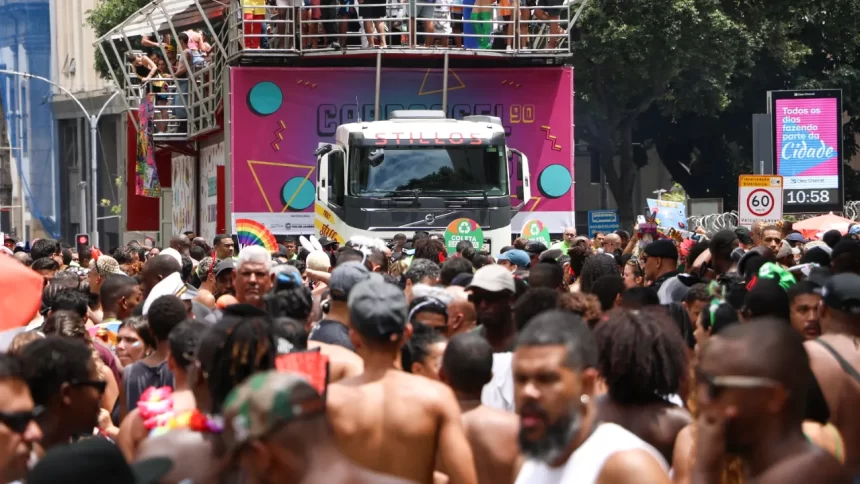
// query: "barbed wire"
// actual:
[[715, 222]]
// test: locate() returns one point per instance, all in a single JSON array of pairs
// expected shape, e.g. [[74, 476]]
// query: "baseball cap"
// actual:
[[96, 460], [842, 293], [344, 278], [378, 310], [172, 253], [796, 237], [318, 261], [493, 278], [106, 264], [744, 235], [265, 402], [535, 247], [721, 241], [171, 285], [818, 244], [225, 265], [663, 248], [325, 241], [785, 250], [517, 257]]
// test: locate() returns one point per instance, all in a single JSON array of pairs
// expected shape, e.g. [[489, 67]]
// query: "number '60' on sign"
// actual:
[[760, 202]]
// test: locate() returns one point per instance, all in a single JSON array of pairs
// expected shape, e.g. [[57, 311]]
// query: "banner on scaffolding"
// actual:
[[146, 173]]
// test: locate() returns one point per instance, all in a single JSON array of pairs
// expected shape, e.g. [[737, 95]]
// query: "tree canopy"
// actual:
[[683, 77], [106, 15]]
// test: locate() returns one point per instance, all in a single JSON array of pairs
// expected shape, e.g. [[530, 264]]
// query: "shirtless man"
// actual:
[[342, 362], [839, 315], [752, 384], [385, 419], [275, 429], [560, 437], [467, 366]]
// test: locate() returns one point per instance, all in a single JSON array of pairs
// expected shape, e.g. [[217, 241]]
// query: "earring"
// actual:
[[584, 399]]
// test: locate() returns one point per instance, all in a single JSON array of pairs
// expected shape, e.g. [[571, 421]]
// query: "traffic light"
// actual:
[[82, 242]]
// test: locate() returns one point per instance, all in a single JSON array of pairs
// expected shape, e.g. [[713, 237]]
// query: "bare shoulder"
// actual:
[[814, 466], [501, 422], [632, 466]]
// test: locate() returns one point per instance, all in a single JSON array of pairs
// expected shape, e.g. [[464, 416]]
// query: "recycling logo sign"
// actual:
[[463, 229], [535, 230]]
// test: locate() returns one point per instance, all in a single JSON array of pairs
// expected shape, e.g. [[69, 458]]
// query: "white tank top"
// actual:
[[586, 462]]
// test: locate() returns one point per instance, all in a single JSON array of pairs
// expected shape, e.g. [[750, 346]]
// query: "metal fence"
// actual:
[[319, 26]]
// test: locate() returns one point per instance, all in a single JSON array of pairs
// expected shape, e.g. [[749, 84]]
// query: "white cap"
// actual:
[[318, 261], [493, 278], [173, 253]]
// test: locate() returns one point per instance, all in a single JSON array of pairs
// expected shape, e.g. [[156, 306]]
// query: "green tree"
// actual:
[[106, 15], [677, 57], [812, 45]]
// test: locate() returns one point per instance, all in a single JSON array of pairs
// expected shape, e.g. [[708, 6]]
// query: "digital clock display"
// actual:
[[810, 196], [807, 147]]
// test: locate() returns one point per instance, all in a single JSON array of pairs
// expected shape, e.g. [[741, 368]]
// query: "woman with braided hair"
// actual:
[[240, 344]]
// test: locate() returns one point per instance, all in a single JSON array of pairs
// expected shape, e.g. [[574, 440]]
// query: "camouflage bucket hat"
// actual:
[[264, 403]]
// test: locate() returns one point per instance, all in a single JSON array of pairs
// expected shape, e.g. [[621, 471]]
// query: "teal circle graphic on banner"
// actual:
[[298, 192], [265, 98], [554, 181]]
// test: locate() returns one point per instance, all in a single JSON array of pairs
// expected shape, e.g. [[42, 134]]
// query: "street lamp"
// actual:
[[94, 125], [23, 198]]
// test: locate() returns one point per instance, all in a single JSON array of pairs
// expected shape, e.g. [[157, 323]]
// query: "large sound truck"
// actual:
[[419, 171]]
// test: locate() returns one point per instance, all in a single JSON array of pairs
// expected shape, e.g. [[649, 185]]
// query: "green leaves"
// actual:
[[106, 15]]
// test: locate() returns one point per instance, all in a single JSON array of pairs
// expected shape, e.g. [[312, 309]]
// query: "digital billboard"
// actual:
[[807, 147]]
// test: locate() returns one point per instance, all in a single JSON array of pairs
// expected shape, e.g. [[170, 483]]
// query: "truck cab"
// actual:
[[419, 171]]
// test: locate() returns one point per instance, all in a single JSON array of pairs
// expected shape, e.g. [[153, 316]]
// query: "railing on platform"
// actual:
[[536, 28]]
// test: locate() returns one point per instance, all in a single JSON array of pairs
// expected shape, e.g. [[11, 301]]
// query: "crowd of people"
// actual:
[[616, 358], [268, 24]]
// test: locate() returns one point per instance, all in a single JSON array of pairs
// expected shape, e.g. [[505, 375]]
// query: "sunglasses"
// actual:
[[18, 421], [99, 385], [716, 384]]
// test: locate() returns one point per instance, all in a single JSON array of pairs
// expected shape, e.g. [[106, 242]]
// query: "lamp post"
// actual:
[[23, 198], [94, 126]]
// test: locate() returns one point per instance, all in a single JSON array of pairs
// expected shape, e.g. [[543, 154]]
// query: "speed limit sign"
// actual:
[[759, 199]]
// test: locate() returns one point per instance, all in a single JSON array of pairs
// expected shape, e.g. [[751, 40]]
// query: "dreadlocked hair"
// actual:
[[234, 349], [642, 355]]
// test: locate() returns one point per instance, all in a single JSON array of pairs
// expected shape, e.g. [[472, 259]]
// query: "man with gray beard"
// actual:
[[560, 438]]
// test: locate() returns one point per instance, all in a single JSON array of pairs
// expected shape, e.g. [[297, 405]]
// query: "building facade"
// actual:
[[74, 69], [28, 188]]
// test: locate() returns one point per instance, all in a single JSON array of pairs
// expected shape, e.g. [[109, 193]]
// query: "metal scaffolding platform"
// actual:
[[193, 43]]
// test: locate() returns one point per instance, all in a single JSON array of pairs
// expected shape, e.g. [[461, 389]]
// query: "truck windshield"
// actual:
[[454, 170]]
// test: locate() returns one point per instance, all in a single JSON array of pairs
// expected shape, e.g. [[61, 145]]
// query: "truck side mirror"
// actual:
[[376, 157]]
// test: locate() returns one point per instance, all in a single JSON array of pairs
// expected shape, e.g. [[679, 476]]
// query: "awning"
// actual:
[[180, 14]]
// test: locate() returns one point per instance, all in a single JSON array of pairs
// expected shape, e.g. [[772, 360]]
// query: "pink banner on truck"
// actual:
[[279, 115]]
